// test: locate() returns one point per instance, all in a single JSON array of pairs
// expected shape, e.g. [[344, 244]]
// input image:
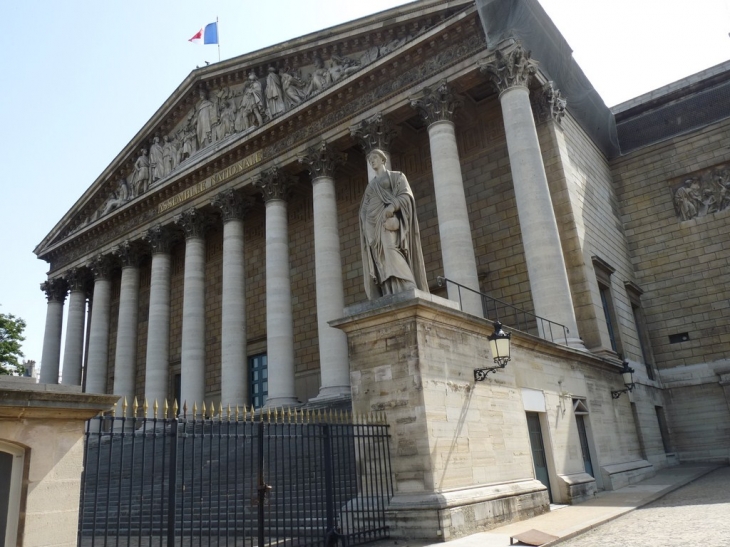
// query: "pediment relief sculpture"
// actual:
[[237, 110]]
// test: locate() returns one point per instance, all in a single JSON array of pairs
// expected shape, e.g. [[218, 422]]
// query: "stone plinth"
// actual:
[[460, 454], [42, 428]]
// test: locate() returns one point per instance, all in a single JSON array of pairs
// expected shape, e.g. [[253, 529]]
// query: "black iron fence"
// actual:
[[495, 309], [236, 478]]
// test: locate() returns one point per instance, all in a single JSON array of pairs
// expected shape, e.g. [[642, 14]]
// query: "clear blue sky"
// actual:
[[82, 77]]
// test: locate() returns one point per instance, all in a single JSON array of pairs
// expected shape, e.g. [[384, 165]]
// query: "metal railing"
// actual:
[[511, 316], [295, 478]]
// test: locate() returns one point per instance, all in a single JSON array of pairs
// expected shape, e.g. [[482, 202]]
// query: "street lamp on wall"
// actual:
[[628, 375], [499, 345]]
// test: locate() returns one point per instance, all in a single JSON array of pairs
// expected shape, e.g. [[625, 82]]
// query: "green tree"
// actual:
[[11, 335]]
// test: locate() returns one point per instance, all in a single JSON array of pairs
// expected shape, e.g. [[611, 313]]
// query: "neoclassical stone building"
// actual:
[[218, 257]]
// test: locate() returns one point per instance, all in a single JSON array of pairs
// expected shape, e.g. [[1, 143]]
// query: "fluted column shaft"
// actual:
[[234, 365], [55, 290], [125, 361], [540, 238], [436, 106], [333, 355], [279, 317], [96, 370], [192, 355], [157, 360], [73, 353]]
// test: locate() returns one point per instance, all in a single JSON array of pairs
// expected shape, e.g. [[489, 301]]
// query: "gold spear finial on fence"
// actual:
[[202, 411], [229, 413], [155, 408], [165, 409], [145, 406], [220, 410], [135, 407], [124, 407], [175, 407], [195, 410]]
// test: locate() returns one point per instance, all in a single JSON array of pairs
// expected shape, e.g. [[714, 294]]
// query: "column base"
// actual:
[[332, 393], [449, 515], [282, 402]]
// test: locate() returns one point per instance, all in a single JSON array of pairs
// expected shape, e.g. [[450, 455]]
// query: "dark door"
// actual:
[[583, 436], [538, 450]]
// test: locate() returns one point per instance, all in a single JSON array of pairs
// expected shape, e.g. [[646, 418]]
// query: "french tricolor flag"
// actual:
[[206, 35]]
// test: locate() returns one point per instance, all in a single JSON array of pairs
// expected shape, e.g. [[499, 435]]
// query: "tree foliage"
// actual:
[[11, 335]]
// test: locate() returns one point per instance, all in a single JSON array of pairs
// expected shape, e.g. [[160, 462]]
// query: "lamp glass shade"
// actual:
[[628, 377], [499, 344]]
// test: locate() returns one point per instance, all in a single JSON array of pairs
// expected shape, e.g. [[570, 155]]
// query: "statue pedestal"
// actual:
[[461, 457]]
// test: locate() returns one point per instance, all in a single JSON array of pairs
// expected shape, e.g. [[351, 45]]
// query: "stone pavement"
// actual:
[[702, 511]]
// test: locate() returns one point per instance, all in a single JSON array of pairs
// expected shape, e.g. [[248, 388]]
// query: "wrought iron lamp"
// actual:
[[628, 375], [499, 344]]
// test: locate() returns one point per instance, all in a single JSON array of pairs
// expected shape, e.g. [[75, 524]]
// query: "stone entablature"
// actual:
[[233, 158], [702, 193]]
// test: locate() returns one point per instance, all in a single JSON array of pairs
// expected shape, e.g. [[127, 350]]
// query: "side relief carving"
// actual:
[[703, 194]]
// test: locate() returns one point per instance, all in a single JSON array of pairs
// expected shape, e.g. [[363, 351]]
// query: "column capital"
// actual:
[[77, 279], [128, 252], [511, 69], [55, 289], [322, 161], [232, 204], [374, 132], [549, 103], [101, 267], [436, 104], [193, 222], [274, 184], [159, 239]]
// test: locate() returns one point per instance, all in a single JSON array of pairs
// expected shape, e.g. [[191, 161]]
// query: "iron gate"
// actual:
[[293, 478]]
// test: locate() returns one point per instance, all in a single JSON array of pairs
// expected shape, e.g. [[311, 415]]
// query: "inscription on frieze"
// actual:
[[214, 180]]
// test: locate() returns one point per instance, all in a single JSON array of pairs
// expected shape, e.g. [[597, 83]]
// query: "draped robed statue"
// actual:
[[389, 236]]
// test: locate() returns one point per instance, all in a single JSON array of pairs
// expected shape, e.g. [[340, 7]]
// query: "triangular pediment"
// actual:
[[221, 104]]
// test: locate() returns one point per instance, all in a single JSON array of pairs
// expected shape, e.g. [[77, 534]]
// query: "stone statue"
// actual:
[[320, 78], [293, 88], [189, 140], [274, 94], [227, 118], [250, 112], [204, 114], [141, 174], [156, 161], [341, 67], [389, 237], [169, 156], [117, 199]]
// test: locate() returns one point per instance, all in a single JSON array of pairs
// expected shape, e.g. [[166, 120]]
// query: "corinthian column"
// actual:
[[158, 323], [125, 362], [436, 106], [511, 73], [234, 365], [375, 132], [274, 186], [96, 370], [73, 353], [55, 290], [333, 359], [192, 355]]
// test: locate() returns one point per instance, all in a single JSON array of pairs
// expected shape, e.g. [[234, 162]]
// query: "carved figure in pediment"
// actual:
[[169, 156], [226, 119], [341, 67], [141, 173], [293, 88], [189, 139], [156, 161], [320, 79], [204, 114], [251, 109], [275, 104], [389, 236], [371, 55], [118, 198]]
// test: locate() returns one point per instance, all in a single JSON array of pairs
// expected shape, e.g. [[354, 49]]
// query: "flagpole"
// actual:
[[218, 29]]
